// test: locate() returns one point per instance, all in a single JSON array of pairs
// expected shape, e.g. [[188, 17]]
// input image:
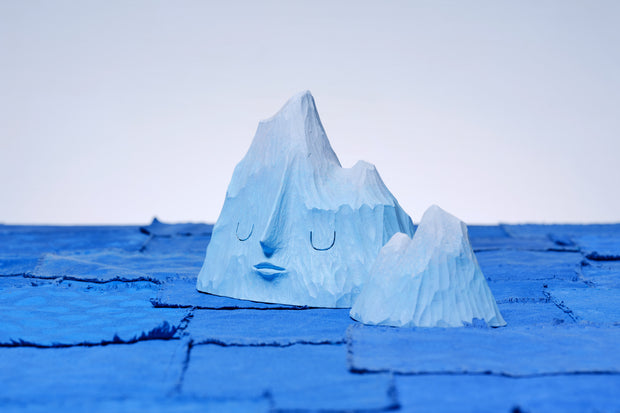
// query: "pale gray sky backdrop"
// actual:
[[116, 111]]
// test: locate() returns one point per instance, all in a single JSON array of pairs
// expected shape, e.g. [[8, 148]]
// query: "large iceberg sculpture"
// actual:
[[432, 280], [297, 228]]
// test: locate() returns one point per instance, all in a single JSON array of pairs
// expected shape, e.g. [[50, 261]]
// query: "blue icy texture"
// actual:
[[64, 314], [160, 229], [270, 327], [557, 353], [299, 378], [296, 227], [494, 393], [521, 351], [432, 280], [112, 265], [139, 371]]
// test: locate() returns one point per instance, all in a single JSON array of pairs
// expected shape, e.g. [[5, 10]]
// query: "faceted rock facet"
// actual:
[[296, 227], [432, 280]]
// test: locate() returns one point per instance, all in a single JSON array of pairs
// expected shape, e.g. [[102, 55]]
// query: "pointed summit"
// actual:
[[432, 280], [294, 134], [295, 129], [299, 106]]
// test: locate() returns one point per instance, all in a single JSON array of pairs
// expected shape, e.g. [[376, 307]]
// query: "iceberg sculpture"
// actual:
[[432, 280], [296, 227]]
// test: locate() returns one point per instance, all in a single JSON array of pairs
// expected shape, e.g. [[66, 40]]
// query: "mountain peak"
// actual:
[[295, 130], [443, 228], [294, 133], [301, 103], [275, 240], [432, 280]]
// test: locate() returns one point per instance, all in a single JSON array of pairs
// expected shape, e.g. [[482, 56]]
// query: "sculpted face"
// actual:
[[296, 227]]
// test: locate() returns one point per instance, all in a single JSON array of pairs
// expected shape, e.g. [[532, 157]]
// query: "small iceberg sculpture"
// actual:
[[296, 227], [432, 280]]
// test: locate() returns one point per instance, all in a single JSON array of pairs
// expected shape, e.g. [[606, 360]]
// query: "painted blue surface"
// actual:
[[487, 393], [599, 306], [34, 241], [16, 264], [183, 293], [497, 238], [113, 265], [529, 314], [601, 274], [70, 313], [135, 335], [301, 376], [159, 404], [279, 328], [507, 291], [534, 244], [513, 265], [600, 248], [160, 229], [195, 245], [118, 371], [567, 232], [515, 352]]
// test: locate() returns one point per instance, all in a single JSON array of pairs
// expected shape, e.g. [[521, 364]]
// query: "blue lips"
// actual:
[[268, 271]]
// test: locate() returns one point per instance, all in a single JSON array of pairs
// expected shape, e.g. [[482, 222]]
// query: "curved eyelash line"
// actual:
[[246, 238], [322, 249]]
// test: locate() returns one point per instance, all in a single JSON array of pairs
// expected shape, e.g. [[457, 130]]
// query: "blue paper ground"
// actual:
[[108, 319]]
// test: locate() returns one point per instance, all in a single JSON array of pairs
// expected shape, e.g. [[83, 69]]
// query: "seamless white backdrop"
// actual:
[[116, 111]]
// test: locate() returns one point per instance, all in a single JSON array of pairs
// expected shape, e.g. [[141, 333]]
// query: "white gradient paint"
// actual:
[[296, 227], [432, 280]]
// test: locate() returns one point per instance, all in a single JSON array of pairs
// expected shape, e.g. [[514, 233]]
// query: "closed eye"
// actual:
[[244, 238], [322, 248]]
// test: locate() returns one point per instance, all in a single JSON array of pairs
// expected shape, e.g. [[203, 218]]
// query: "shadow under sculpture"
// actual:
[[296, 227]]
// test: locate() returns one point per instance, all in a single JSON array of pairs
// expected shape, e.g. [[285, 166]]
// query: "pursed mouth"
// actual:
[[269, 271]]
